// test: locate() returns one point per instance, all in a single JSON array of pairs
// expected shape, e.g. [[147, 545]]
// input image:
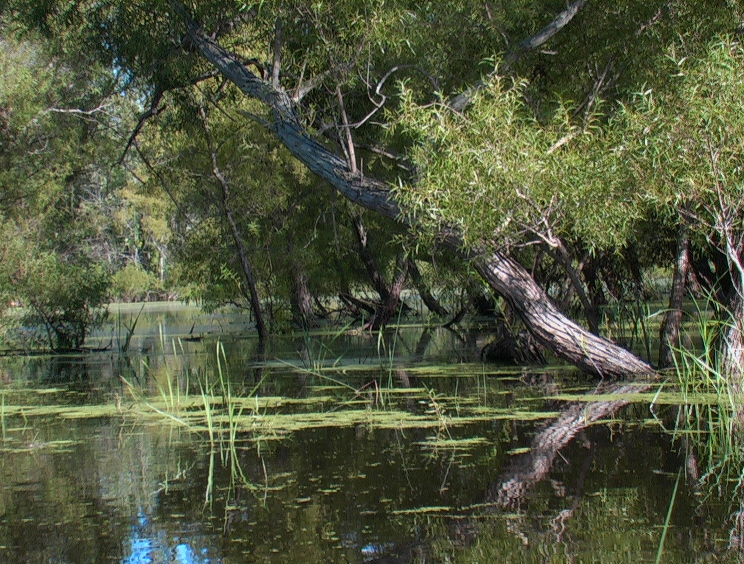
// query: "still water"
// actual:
[[194, 446]]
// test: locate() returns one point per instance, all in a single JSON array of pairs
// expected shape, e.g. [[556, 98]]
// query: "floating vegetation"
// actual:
[[271, 417], [422, 510], [57, 445], [454, 444], [658, 398]]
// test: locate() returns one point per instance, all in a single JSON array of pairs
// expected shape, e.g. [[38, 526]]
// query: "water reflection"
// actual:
[[150, 544], [125, 488]]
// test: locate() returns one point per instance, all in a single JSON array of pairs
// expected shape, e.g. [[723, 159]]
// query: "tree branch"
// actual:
[[461, 101], [152, 112], [350, 151]]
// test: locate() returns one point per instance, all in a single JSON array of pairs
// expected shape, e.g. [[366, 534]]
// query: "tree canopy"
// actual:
[[528, 137]]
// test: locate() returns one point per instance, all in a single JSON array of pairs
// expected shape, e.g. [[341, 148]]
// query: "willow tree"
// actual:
[[507, 277], [684, 148], [322, 74], [233, 190]]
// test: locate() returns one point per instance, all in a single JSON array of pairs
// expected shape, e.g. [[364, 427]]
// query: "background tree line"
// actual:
[[548, 154]]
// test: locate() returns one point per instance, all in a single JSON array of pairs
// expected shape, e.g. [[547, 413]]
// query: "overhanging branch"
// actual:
[[461, 101]]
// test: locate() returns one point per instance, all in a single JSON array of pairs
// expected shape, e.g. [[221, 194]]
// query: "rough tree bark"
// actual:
[[301, 300], [566, 339], [506, 276]]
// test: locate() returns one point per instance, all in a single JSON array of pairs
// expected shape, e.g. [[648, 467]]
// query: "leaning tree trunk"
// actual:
[[431, 303], [563, 337], [505, 275]]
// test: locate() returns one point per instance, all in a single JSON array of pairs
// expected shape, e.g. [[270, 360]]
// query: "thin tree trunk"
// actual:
[[669, 335], [249, 280], [248, 277], [590, 274], [427, 297], [507, 277], [370, 265]]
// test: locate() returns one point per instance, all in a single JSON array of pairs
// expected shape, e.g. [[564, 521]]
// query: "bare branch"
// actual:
[[399, 160], [152, 112], [459, 102], [350, 152], [305, 87], [383, 98], [78, 111]]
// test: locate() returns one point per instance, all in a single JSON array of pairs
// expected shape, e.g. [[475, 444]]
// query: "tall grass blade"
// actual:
[[665, 529]]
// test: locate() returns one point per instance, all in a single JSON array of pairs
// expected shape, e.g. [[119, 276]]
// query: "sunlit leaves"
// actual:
[[499, 175], [689, 140]]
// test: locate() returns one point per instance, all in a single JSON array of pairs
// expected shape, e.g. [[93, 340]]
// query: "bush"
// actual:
[[133, 284], [61, 301]]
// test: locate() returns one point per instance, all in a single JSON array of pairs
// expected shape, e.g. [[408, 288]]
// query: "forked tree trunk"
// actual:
[[387, 308], [505, 275], [370, 265]]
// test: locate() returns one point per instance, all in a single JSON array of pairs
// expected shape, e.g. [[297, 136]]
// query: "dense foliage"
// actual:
[[581, 145]]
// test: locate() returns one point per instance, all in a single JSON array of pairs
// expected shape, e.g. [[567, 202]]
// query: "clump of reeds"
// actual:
[[701, 375]]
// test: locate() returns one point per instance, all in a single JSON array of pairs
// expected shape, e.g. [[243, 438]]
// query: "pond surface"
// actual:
[[194, 446]]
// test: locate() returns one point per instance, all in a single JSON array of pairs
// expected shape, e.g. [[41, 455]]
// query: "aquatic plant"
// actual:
[[665, 528], [124, 347], [700, 372], [710, 431]]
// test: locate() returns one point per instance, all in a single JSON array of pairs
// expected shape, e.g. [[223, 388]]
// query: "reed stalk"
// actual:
[[668, 519]]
